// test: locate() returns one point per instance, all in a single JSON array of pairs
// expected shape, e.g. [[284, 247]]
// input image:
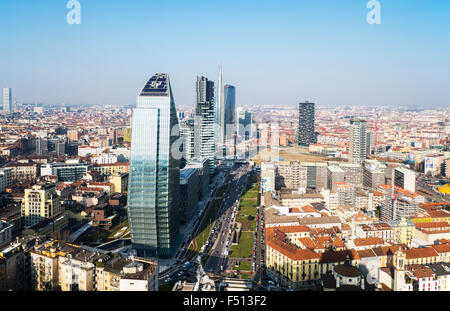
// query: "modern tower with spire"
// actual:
[[225, 121], [220, 110]]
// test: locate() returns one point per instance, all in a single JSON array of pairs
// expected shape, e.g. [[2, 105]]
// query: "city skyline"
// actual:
[[401, 62], [243, 146]]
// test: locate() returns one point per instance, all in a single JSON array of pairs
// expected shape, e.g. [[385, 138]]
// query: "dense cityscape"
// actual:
[[224, 155], [224, 197]]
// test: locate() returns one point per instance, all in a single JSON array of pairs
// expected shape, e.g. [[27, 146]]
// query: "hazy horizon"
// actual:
[[275, 53]]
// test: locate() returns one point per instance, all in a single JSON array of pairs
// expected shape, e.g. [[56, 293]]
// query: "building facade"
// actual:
[[7, 100], [306, 124], [153, 191], [39, 203], [205, 145], [358, 144]]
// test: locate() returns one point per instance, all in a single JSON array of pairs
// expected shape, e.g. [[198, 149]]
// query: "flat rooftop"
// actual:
[[158, 85]]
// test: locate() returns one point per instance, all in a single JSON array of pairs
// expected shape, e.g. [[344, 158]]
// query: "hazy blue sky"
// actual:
[[274, 52]]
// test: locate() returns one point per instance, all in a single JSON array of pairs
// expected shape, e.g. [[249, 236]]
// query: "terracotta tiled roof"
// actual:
[[293, 229], [386, 250], [421, 272], [309, 209], [339, 256], [429, 225], [307, 242], [400, 190], [439, 214], [376, 227], [366, 253], [277, 240], [420, 253], [101, 184], [442, 248], [337, 242], [90, 189], [368, 241]]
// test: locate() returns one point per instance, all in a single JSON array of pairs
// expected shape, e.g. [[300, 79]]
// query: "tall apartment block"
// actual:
[[370, 143], [5, 178], [358, 138], [40, 202], [397, 209], [405, 178], [153, 191], [335, 175], [7, 100], [268, 177], [353, 174], [373, 174], [306, 132], [447, 168], [316, 175], [291, 175], [205, 122]]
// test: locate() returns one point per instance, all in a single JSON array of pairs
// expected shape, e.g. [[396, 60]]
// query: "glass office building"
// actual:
[[7, 100], [153, 192], [220, 111], [230, 111], [244, 125], [204, 122]]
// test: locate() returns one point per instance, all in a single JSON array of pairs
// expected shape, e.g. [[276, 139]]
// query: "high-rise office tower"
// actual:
[[230, 111], [244, 127], [42, 146], [370, 143], [306, 118], [220, 111], [358, 141], [153, 191], [204, 122], [7, 100], [188, 135]]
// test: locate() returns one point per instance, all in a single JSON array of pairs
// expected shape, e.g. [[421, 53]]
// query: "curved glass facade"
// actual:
[[153, 191]]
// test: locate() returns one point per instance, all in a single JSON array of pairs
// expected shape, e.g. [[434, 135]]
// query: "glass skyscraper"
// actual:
[[230, 111], [153, 192], [205, 110], [244, 125], [7, 100], [220, 111]]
